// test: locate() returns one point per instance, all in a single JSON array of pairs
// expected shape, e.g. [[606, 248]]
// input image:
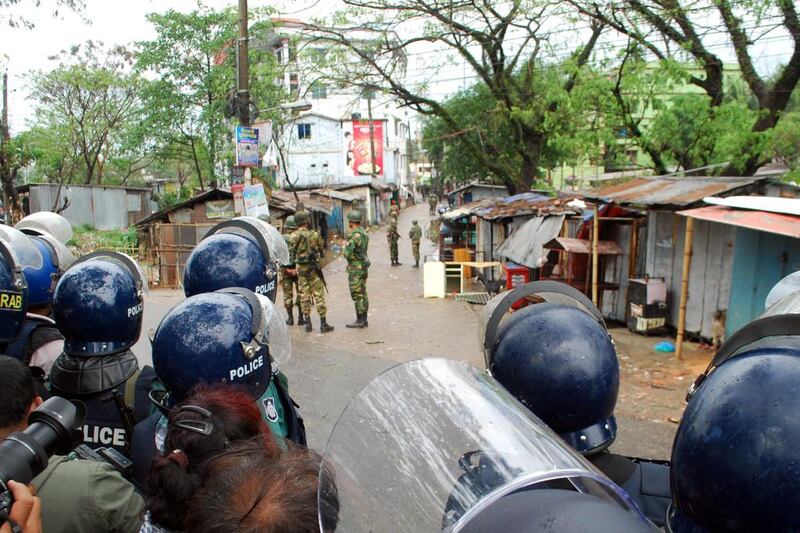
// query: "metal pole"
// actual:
[[595, 240], [687, 260], [243, 72], [4, 139]]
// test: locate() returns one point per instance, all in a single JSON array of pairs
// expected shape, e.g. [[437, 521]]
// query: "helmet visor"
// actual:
[[429, 444], [278, 338], [278, 250], [64, 257], [46, 222], [25, 251]]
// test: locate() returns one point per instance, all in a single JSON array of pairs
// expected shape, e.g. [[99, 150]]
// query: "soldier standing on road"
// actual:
[[415, 234], [306, 248], [394, 210], [392, 236], [357, 268], [432, 201], [289, 278]]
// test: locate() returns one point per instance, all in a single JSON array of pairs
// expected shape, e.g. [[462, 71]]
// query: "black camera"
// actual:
[[55, 427]]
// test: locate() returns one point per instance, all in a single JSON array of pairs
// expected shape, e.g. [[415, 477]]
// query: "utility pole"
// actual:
[[243, 68], [5, 139]]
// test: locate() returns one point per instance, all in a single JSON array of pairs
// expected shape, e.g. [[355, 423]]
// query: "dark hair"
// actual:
[[247, 492], [17, 391], [176, 476]]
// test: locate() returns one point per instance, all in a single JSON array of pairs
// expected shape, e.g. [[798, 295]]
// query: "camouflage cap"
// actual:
[[290, 222], [354, 216], [301, 217]]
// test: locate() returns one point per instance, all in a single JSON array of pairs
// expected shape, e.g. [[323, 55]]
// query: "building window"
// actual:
[[319, 90], [304, 131], [294, 84]]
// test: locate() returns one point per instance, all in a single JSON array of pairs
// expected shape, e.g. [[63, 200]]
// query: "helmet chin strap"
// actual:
[[529, 289]]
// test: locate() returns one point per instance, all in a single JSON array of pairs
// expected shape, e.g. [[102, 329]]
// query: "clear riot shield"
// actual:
[[279, 340], [25, 252], [46, 222], [63, 256], [429, 444]]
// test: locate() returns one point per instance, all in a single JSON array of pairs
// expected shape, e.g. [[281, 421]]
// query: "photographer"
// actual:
[[26, 512], [77, 495]]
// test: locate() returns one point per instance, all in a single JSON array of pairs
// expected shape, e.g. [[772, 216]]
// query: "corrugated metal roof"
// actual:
[[525, 245], [672, 191], [524, 204], [776, 223], [339, 195], [478, 185], [583, 246]]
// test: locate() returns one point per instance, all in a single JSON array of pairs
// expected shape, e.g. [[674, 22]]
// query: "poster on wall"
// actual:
[[219, 209], [246, 147], [238, 198], [358, 158], [255, 200]]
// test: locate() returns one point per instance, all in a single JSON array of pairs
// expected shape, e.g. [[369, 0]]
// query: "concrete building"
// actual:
[[331, 144]]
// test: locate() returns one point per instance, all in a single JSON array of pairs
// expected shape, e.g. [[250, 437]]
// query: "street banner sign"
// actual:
[[246, 147], [238, 198]]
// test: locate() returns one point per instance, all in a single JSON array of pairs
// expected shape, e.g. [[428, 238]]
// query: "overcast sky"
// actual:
[[123, 21]]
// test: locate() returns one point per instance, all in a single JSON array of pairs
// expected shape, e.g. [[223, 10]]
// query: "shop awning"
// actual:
[[583, 246], [777, 223]]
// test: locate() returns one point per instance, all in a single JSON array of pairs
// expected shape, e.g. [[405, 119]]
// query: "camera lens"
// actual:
[[55, 427]]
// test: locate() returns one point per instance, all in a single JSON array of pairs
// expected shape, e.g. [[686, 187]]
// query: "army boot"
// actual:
[[359, 323], [416, 264], [364, 320], [290, 320], [301, 318], [323, 325], [308, 324]]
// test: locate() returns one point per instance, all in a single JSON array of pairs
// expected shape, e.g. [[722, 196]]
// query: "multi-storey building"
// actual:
[[333, 144]]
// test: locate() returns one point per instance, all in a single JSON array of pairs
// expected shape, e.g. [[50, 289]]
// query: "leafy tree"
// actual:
[[57, 6], [686, 32], [190, 103], [505, 44], [89, 99]]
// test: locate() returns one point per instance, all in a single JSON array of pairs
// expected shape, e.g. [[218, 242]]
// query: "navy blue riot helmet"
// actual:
[[98, 304], [42, 280], [218, 337], [557, 358], [243, 252], [13, 294], [736, 459]]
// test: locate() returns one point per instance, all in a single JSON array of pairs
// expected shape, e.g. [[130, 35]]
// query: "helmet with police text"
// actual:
[[228, 336], [301, 218], [241, 252], [45, 222], [56, 259], [354, 216], [557, 358], [290, 223], [16, 253], [735, 459], [98, 304]]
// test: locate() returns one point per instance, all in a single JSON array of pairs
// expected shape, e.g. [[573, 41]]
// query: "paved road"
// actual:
[[327, 370]]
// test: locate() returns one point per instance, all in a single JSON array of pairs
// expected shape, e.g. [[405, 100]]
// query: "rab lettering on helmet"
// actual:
[[266, 288], [10, 301], [249, 368], [135, 310]]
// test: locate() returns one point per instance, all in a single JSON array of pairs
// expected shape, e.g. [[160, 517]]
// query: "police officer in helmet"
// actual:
[[13, 285], [242, 252], [735, 459], [40, 342], [557, 358], [98, 305], [229, 336]]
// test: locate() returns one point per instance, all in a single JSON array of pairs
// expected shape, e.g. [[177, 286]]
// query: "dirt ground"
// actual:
[[326, 371]]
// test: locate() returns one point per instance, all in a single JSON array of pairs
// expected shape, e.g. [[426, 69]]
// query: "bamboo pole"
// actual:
[[687, 260], [595, 239]]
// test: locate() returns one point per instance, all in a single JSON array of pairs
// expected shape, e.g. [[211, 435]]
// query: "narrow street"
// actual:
[[326, 371]]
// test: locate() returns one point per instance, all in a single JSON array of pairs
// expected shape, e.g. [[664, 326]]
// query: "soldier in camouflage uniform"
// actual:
[[357, 268], [305, 245], [394, 210], [289, 278], [392, 236], [415, 234]]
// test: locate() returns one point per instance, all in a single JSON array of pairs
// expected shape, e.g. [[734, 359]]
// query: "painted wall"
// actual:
[[760, 261]]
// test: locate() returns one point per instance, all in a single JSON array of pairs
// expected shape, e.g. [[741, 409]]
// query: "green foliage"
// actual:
[[170, 199], [86, 237], [784, 144]]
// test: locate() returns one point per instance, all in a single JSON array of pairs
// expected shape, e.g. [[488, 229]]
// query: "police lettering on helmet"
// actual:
[[243, 252]]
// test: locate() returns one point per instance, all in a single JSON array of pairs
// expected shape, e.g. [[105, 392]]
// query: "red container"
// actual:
[[516, 275]]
